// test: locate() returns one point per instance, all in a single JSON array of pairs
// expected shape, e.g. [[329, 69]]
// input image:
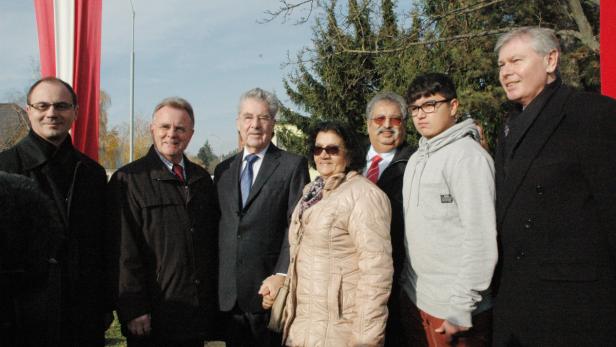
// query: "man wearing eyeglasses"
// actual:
[[448, 195], [165, 208], [69, 310], [258, 189], [386, 159]]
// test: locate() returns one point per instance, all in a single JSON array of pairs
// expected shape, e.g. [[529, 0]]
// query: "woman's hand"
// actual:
[[269, 290]]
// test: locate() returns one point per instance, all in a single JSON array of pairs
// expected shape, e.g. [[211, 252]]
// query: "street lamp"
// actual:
[[132, 87]]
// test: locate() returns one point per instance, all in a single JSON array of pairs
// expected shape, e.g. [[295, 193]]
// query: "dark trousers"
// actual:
[[136, 341], [157, 341], [394, 331], [244, 329]]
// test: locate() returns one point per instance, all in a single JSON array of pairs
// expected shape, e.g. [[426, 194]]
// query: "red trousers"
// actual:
[[420, 326]]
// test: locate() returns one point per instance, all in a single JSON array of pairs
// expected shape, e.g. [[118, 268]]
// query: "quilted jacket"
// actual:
[[341, 271]]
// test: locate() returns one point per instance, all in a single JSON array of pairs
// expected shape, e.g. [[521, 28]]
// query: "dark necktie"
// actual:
[[373, 171], [246, 177], [179, 172]]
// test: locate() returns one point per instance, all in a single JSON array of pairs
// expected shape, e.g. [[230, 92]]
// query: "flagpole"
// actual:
[[132, 87]]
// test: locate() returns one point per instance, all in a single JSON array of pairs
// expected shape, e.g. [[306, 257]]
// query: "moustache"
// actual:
[[395, 132]]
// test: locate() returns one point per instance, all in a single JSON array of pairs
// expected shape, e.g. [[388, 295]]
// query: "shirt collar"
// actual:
[[260, 154], [168, 163], [387, 156]]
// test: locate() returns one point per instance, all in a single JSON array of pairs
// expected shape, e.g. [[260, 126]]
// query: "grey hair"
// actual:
[[543, 40], [262, 95], [178, 103], [387, 96]]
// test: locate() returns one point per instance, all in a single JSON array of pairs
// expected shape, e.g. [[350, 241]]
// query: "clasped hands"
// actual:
[[269, 290]]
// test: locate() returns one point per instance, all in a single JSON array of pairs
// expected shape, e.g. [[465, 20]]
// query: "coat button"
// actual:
[[528, 224], [239, 236], [520, 255], [197, 282], [539, 189]]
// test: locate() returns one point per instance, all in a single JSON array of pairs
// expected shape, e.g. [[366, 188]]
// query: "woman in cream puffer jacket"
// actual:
[[341, 270]]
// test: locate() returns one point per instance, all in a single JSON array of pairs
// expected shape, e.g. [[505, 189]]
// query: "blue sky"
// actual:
[[207, 51]]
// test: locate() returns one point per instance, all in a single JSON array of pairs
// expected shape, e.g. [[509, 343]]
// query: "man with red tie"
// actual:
[[385, 162], [166, 212]]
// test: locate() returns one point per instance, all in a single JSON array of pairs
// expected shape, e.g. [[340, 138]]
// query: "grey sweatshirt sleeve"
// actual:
[[473, 187]]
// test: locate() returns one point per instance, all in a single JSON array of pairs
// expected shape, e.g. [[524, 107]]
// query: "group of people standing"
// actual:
[[438, 245]]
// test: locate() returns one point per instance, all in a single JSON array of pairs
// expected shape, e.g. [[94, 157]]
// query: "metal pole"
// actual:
[[132, 88]]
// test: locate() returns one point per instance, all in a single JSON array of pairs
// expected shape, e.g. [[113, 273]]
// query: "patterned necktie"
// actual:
[[179, 172], [373, 171], [246, 177]]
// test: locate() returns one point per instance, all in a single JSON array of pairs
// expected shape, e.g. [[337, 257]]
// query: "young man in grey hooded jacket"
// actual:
[[448, 193]]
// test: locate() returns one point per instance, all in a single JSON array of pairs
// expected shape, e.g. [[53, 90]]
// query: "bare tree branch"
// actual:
[[286, 10], [428, 42], [585, 33]]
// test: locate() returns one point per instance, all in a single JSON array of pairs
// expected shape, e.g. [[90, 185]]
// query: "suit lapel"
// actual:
[[234, 185], [269, 165], [536, 135], [389, 172]]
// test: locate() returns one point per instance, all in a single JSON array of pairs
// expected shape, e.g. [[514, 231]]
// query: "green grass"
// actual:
[[114, 338]]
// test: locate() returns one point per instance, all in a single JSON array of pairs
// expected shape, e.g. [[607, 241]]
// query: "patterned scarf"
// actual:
[[312, 196]]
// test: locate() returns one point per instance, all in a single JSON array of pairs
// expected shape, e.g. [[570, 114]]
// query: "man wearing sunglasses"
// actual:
[[69, 309], [386, 159], [448, 195]]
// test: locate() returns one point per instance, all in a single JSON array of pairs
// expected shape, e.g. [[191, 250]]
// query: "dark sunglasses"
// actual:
[[60, 106], [395, 121], [331, 150]]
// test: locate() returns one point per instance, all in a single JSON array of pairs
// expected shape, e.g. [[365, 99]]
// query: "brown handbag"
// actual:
[[278, 313]]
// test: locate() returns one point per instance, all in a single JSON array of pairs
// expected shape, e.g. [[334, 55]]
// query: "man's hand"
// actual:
[[450, 329], [140, 326], [269, 290]]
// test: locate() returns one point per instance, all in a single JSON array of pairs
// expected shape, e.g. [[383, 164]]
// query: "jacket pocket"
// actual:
[[568, 272], [436, 201], [333, 297]]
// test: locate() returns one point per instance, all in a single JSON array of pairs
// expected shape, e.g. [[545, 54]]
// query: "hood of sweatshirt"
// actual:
[[428, 147], [457, 131]]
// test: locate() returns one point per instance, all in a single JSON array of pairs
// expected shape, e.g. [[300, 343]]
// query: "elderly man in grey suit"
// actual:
[[257, 191]]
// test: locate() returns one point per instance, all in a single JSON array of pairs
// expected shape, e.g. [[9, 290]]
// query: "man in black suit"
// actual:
[[257, 191], [69, 308], [385, 163], [164, 207], [555, 188]]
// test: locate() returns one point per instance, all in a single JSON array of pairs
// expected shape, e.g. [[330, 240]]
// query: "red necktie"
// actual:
[[179, 172], [373, 171]]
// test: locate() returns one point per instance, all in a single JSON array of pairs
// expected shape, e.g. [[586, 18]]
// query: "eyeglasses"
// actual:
[[427, 107], [394, 121], [331, 150], [260, 118], [60, 106]]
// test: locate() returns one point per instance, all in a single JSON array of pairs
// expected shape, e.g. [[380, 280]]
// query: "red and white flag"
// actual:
[[607, 13], [69, 33]]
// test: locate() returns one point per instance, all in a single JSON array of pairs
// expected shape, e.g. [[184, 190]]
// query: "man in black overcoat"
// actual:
[[556, 182], [29, 236], [386, 115], [257, 189], [70, 309], [165, 208]]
